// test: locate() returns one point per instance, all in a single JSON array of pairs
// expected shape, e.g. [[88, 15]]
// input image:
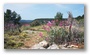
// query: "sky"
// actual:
[[34, 11]]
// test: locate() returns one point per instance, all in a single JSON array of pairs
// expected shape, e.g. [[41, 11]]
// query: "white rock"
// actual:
[[43, 43], [53, 46], [64, 48], [37, 46], [40, 45], [72, 46]]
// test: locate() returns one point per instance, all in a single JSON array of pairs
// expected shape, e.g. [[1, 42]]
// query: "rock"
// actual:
[[63, 46], [43, 43], [72, 46], [53, 46], [37, 46]]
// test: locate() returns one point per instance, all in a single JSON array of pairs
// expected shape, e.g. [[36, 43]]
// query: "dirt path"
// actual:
[[34, 38]]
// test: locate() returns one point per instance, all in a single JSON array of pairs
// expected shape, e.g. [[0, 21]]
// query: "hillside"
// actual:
[[25, 21]]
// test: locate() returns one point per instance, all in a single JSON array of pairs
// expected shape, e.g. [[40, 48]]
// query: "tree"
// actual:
[[35, 23], [11, 18], [7, 15], [59, 16]]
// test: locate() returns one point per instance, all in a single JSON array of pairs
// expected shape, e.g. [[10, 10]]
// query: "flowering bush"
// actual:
[[55, 33], [40, 34]]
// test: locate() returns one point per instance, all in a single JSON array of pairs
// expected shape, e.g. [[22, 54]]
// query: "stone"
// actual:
[[53, 46], [37, 46], [43, 43]]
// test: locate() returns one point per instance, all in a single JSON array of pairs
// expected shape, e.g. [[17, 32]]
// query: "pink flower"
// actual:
[[47, 38], [46, 28], [56, 20], [40, 34], [70, 26], [49, 24], [53, 21], [60, 24], [26, 24]]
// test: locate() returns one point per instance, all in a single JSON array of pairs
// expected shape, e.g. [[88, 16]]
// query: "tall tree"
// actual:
[[59, 16], [11, 18], [7, 15]]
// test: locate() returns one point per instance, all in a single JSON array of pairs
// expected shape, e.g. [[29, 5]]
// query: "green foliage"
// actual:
[[57, 33], [59, 16], [35, 23], [22, 35], [25, 27], [11, 20], [12, 33], [80, 17], [12, 42], [81, 22], [11, 16]]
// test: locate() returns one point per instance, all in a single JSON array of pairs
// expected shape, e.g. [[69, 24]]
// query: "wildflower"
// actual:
[[56, 20], [40, 34], [47, 29], [53, 22], [46, 38], [49, 24], [44, 27], [60, 24], [26, 24], [70, 26]]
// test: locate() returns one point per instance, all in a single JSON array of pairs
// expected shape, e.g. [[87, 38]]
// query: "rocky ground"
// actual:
[[34, 43], [45, 45]]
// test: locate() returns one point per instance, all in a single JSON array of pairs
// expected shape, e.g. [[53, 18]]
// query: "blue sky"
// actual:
[[33, 11]]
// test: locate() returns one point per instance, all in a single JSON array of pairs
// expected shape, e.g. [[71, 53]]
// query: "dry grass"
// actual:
[[34, 37]]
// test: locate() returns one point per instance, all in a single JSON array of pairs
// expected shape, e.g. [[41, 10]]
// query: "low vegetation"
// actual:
[[55, 30]]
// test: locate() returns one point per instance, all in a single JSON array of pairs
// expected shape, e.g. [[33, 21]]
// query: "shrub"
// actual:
[[56, 33], [35, 23], [12, 42], [9, 43], [23, 35]]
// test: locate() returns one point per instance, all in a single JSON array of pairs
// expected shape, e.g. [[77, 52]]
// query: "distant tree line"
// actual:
[[80, 17], [58, 17]]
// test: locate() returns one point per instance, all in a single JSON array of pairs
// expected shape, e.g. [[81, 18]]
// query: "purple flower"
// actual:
[[49, 24]]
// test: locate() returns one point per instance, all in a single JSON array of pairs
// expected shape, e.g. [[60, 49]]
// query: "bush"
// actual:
[[81, 22], [12, 42], [23, 35], [58, 35], [35, 23], [9, 43]]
